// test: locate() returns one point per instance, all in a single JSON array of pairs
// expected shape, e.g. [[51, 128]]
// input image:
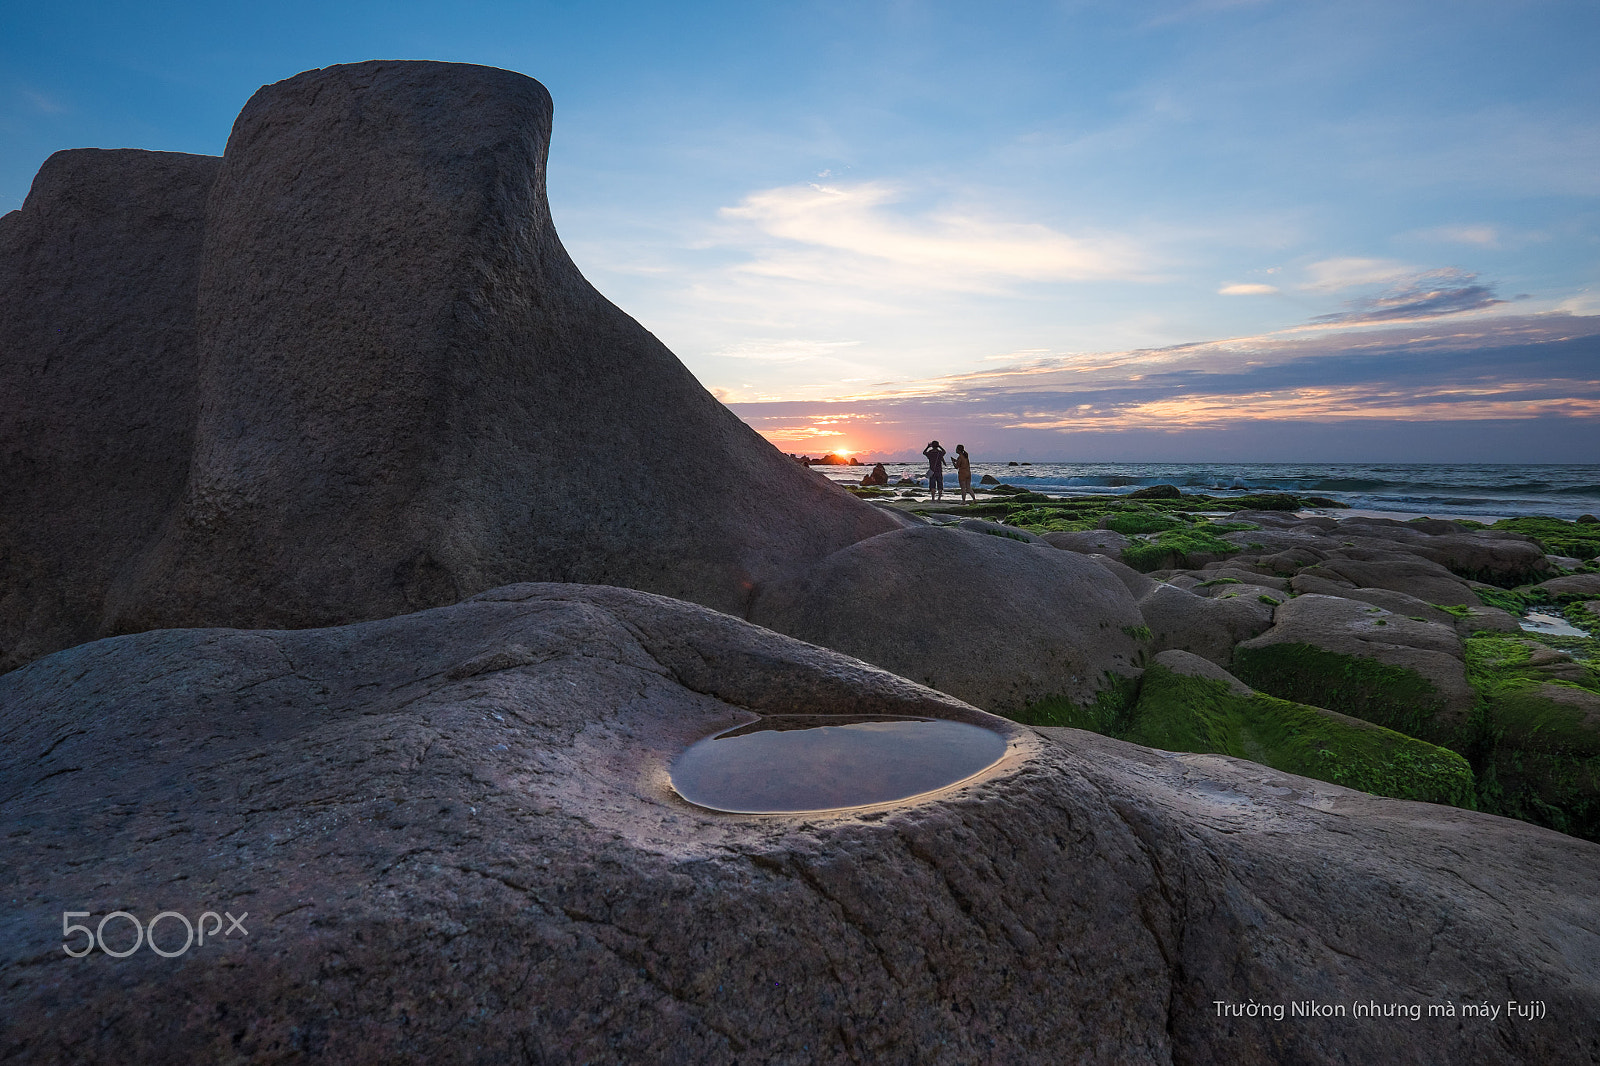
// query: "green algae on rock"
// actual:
[[1199, 714], [1537, 743], [1391, 696]]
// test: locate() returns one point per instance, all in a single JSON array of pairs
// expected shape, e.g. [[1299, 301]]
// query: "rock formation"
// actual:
[[97, 380], [998, 623], [1354, 657], [453, 837], [395, 379]]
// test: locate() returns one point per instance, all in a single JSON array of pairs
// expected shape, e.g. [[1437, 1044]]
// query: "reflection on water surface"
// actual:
[[789, 763]]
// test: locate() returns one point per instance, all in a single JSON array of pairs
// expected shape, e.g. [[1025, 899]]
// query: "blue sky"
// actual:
[[1163, 230]]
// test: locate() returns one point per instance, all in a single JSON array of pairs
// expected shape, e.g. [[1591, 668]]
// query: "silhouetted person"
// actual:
[[963, 463], [935, 456]]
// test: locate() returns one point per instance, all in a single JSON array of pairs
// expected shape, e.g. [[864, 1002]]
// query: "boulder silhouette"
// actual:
[[367, 380], [452, 839], [409, 393], [97, 380]]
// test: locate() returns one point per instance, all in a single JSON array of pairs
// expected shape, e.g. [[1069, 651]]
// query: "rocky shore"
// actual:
[[300, 627]]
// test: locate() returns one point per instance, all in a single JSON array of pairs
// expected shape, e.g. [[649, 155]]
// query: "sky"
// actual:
[[1146, 230]]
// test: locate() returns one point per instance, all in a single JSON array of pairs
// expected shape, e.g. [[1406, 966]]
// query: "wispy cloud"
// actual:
[[1480, 236], [48, 105], [841, 233], [1331, 275], [1247, 289], [1427, 295], [1507, 369]]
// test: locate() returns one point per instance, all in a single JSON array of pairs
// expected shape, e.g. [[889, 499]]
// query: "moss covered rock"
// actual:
[[1358, 659], [1537, 746], [1206, 714]]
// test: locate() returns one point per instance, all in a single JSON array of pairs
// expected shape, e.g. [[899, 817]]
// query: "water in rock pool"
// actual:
[[790, 763]]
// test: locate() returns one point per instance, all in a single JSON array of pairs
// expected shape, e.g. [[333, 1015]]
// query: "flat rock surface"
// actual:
[[453, 836]]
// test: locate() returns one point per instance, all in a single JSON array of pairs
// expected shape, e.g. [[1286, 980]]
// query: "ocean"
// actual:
[[1489, 490]]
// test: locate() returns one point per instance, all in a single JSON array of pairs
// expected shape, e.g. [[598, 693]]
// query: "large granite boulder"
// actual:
[[1359, 659], [365, 378], [454, 838], [998, 623], [409, 393], [97, 380]]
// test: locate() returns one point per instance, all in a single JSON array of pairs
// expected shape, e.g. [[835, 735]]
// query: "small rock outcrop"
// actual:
[[995, 622], [454, 839], [1362, 660], [1210, 628]]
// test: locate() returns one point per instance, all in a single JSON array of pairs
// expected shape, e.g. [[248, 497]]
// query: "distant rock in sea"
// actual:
[[389, 367]]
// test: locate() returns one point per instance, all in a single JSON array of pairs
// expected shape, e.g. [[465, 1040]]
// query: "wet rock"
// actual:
[[1487, 619], [999, 529], [1288, 561], [1136, 583], [989, 479], [1156, 492], [1224, 573], [1187, 664], [97, 369], [878, 476], [1260, 593], [997, 623], [493, 869]]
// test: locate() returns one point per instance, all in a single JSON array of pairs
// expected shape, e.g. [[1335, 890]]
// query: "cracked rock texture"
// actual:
[[347, 372], [454, 837]]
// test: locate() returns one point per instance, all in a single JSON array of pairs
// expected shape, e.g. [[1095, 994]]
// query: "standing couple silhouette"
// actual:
[[963, 464]]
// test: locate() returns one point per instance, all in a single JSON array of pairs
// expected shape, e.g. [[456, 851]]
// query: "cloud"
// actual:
[[855, 233], [1478, 236], [783, 350], [1508, 369], [1426, 295], [1247, 290], [47, 105], [1331, 275]]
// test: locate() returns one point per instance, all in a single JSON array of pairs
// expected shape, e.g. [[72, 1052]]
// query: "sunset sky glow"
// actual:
[[1166, 230]]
